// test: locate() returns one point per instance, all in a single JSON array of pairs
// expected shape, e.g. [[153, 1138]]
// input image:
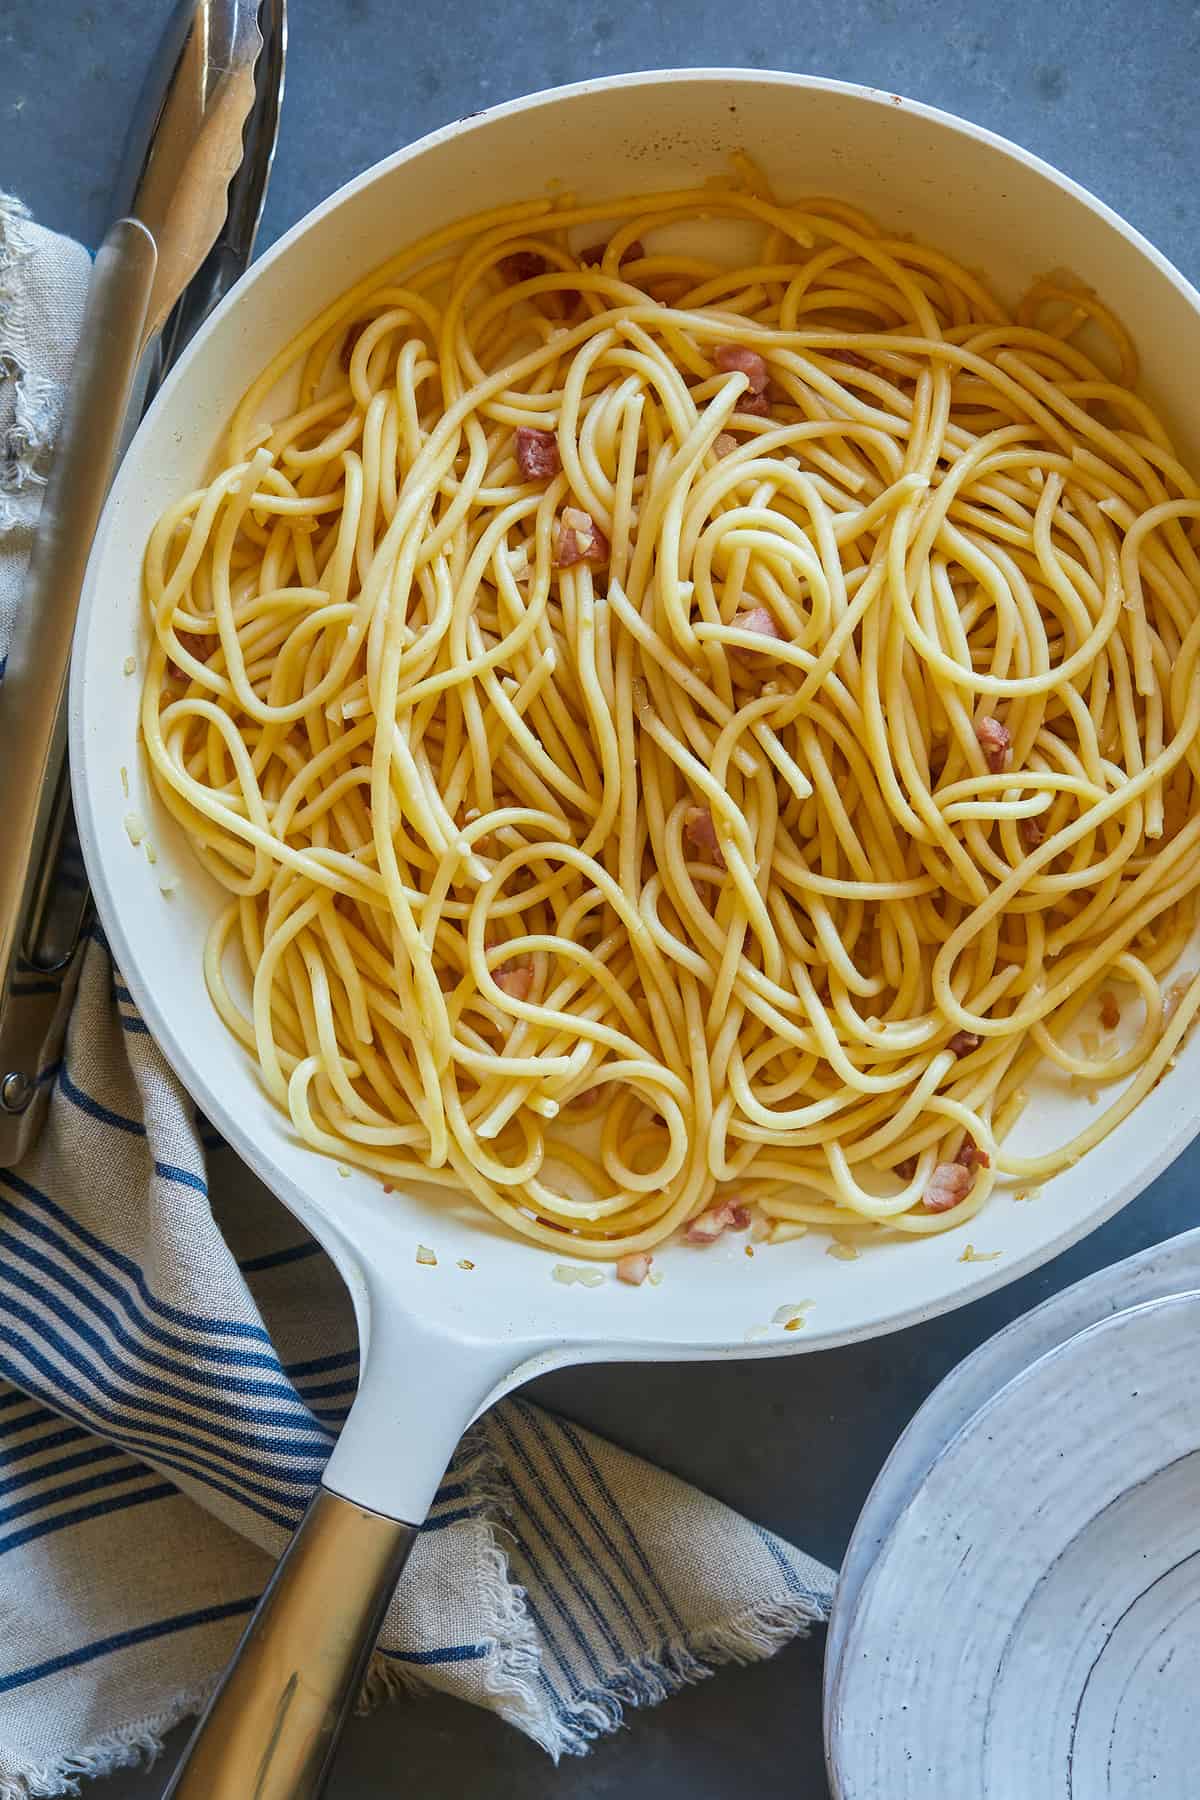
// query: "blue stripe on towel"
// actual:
[[50, 1440], [224, 1382], [105, 1114], [98, 1509], [140, 1384], [582, 1594], [318, 1365], [72, 1490], [581, 1450], [63, 1465], [174, 1314], [186, 1460], [768, 1543], [568, 1618], [580, 1501], [452, 1653], [124, 1640], [185, 1178], [274, 1259], [92, 1408]]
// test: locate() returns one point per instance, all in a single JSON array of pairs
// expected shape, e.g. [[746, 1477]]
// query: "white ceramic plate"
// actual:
[[1031, 1627], [1169, 1268]]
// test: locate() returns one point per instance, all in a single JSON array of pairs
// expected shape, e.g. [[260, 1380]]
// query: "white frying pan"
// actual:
[[439, 1344]]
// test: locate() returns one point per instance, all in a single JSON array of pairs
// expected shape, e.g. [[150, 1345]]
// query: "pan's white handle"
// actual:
[[271, 1728]]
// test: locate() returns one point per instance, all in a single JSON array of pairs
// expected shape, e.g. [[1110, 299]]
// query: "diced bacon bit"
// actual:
[[971, 1157], [515, 982], [963, 1042], [594, 253], [634, 1268], [758, 404], [701, 834], [522, 265], [907, 1169], [537, 453], [195, 643], [726, 1215], [736, 359], [724, 443], [388, 1188], [947, 1186], [1110, 1012], [579, 539], [1031, 832], [708, 1227], [995, 740], [758, 619]]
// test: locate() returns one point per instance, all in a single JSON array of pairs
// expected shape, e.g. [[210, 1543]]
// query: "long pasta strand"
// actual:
[[742, 783]]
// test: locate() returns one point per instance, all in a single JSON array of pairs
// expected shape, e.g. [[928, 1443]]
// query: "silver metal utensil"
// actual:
[[188, 202]]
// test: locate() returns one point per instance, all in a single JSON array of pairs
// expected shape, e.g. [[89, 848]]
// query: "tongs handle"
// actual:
[[32, 716]]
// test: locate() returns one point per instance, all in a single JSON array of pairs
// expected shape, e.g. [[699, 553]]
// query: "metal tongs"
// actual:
[[188, 204]]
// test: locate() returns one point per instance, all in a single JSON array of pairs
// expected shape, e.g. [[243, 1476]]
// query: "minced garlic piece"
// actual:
[[792, 1316], [569, 1274]]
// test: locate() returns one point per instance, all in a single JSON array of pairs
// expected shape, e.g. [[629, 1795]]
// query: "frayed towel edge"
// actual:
[[127, 1746]]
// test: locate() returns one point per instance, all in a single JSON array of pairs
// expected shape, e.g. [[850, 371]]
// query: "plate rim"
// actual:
[[1005, 1396]]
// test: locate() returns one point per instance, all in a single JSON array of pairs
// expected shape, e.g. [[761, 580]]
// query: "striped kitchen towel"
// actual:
[[176, 1358]]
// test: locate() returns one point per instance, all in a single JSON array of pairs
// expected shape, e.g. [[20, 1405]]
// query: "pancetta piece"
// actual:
[[537, 453], [736, 359], [578, 539], [516, 981], [701, 835], [949, 1184], [995, 740]]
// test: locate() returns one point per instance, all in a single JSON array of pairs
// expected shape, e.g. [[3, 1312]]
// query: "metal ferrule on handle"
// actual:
[[271, 1728]]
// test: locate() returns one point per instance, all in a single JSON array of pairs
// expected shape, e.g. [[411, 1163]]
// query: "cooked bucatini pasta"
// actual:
[[688, 736]]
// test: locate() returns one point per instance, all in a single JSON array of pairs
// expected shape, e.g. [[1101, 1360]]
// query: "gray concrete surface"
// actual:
[[1105, 90]]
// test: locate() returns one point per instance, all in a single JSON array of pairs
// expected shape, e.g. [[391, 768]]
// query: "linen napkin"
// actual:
[[176, 1357]]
